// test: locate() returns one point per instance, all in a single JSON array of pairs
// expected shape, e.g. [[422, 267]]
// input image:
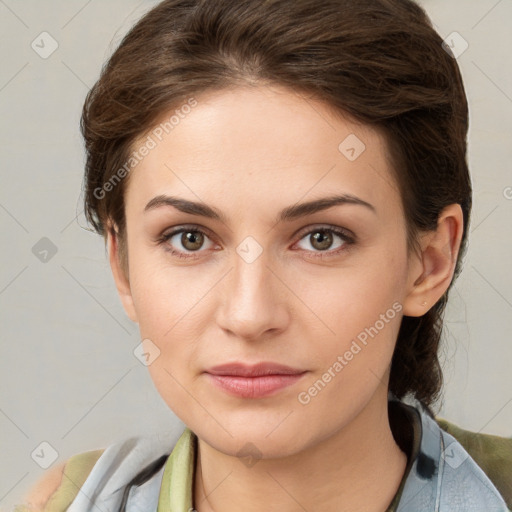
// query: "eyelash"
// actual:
[[343, 234]]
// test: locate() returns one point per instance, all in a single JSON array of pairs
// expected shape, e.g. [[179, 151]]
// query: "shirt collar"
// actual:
[[176, 492], [178, 478], [435, 459]]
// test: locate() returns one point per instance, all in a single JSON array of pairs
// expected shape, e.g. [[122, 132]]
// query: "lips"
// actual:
[[254, 381], [255, 370]]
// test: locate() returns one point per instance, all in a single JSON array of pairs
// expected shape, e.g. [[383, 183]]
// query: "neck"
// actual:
[[359, 468]]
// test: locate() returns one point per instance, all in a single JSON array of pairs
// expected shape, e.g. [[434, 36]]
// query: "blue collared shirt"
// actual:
[[440, 476]]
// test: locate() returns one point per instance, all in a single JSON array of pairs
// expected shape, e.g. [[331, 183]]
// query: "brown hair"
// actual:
[[380, 61]]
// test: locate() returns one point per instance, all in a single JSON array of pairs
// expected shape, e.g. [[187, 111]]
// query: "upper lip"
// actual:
[[253, 370]]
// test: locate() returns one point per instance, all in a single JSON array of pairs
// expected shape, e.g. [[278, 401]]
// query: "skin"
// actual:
[[249, 152]]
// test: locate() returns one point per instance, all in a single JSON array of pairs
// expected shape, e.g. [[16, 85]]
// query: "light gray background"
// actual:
[[69, 376]]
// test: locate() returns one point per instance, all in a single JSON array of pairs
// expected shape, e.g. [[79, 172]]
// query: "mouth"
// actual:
[[254, 381]]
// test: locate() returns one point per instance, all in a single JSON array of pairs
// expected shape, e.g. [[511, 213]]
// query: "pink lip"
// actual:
[[253, 370], [253, 381]]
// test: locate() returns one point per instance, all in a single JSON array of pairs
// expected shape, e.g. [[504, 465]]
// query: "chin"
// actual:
[[254, 439]]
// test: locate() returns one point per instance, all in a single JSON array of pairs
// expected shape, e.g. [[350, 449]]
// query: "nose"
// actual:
[[254, 300]]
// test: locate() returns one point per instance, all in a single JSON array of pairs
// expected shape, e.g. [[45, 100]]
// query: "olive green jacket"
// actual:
[[172, 489]]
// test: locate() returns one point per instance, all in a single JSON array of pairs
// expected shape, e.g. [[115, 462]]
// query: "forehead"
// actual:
[[260, 144]]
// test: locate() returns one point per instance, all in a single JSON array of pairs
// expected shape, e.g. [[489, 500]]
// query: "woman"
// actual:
[[284, 192]]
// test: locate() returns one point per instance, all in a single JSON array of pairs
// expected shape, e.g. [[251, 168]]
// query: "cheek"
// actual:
[[172, 381], [168, 305], [351, 364], [355, 298], [160, 296], [168, 318], [360, 313]]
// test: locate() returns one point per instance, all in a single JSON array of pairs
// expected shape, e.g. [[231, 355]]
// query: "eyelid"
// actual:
[[184, 227], [327, 227]]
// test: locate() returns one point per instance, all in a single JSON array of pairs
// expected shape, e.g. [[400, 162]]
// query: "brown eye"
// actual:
[[321, 240], [184, 242], [192, 240]]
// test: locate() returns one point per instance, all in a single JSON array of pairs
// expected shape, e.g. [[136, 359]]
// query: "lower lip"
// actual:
[[254, 387]]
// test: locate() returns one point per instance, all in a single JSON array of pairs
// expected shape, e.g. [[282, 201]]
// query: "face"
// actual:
[[318, 290]]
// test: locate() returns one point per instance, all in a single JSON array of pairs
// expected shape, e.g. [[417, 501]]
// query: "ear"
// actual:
[[121, 280], [431, 272]]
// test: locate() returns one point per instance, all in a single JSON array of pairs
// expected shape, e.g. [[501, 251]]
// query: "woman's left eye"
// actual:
[[321, 239]]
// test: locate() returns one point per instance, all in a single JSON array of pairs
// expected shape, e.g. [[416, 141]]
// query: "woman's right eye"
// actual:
[[191, 239]]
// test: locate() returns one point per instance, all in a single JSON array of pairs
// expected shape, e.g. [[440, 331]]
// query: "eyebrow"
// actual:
[[287, 214]]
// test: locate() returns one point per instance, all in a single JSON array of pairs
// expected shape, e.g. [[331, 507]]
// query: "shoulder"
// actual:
[[59, 485], [491, 452], [40, 493], [102, 473]]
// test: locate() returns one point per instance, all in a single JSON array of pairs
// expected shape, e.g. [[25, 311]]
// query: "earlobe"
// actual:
[[120, 279], [431, 272]]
